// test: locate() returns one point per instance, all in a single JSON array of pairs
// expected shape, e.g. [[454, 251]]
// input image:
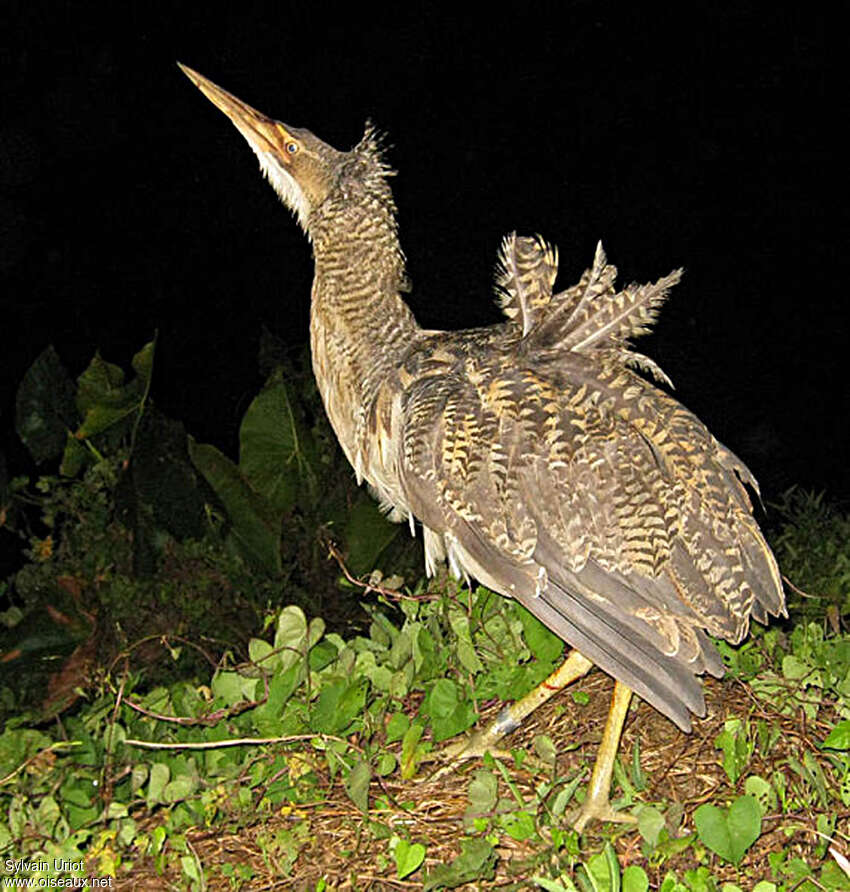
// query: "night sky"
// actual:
[[703, 139]]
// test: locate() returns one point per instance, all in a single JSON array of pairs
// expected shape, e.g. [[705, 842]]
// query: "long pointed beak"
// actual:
[[262, 132]]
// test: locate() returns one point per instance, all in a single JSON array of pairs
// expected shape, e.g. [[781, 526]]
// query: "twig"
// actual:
[[60, 744], [234, 741]]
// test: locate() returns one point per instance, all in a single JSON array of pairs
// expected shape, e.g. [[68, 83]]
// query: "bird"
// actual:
[[539, 455]]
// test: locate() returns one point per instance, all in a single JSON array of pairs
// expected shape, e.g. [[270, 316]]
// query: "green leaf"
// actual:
[[161, 489], [143, 362], [159, 776], [844, 788], [44, 408], [322, 655], [462, 718], [138, 777], [397, 727], [357, 785], [233, 688], [158, 837], [408, 857], [273, 451], [737, 748], [545, 645], [650, 823], [468, 656], [81, 804], [671, 884], [17, 745], [46, 816], [74, 457], [564, 796], [545, 749], [315, 631], [761, 791], [729, 832], [839, 737], [701, 880], [101, 382], [401, 650], [256, 525], [639, 778], [475, 862], [367, 534], [189, 866], [443, 699], [635, 879], [815, 777], [459, 622], [833, 875], [269, 717], [519, 825], [291, 636], [425, 656], [259, 650], [556, 885], [338, 705], [449, 710], [386, 764], [104, 400], [793, 668], [411, 751], [101, 418], [180, 788], [482, 792], [381, 677], [603, 870]]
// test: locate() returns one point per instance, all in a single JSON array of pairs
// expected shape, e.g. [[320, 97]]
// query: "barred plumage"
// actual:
[[536, 458]]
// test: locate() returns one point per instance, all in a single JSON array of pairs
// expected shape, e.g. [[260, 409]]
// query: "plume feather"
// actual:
[[622, 315], [593, 315], [525, 274]]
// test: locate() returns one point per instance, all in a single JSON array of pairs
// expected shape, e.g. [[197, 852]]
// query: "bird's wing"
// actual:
[[598, 502]]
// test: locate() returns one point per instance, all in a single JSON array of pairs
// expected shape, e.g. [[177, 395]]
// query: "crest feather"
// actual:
[[371, 149]]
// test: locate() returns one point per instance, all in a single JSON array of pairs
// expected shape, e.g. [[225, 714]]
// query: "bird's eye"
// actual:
[[291, 148]]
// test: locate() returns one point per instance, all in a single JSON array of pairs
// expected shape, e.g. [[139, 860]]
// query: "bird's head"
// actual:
[[303, 170]]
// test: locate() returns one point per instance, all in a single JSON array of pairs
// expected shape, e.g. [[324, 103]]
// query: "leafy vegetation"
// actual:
[[309, 739], [144, 532], [812, 547]]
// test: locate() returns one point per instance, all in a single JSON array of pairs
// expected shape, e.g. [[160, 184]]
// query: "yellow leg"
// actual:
[[597, 805], [510, 718]]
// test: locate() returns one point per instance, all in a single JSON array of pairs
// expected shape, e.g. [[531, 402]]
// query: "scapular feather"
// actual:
[[622, 315], [525, 274], [591, 315]]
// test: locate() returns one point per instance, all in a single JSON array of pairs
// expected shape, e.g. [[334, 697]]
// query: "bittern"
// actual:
[[536, 454]]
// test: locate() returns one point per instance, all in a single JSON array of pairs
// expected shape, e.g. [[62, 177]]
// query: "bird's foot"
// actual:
[[598, 809], [472, 746]]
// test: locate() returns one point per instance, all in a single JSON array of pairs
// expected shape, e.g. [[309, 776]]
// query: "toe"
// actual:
[[599, 811]]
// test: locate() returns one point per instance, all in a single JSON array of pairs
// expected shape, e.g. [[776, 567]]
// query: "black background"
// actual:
[[687, 136]]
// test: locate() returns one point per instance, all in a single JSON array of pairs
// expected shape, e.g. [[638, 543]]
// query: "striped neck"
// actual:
[[359, 325]]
